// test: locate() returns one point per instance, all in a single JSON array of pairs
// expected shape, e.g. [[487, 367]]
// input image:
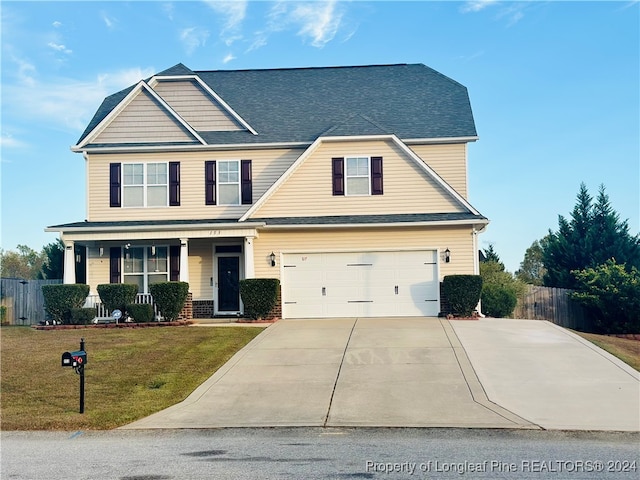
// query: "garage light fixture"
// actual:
[[272, 257], [447, 256]]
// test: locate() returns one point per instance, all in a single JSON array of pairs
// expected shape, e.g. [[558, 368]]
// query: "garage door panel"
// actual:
[[361, 284]]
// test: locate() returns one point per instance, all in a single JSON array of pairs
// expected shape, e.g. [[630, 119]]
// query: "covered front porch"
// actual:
[[211, 256]]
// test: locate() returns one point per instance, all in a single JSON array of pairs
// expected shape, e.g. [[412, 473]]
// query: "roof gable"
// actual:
[[431, 192], [142, 117]]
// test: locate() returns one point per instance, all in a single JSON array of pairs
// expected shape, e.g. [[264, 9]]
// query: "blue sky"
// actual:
[[554, 87]]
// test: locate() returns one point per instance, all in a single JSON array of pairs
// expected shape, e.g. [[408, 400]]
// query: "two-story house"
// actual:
[[349, 184]]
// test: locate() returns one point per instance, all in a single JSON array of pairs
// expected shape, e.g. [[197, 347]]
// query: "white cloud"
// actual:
[[193, 37], [476, 5], [108, 20], [7, 140], [60, 48], [318, 22], [57, 24], [66, 103], [512, 12], [234, 12], [228, 58]]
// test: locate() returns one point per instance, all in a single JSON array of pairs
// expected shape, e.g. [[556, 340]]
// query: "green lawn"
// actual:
[[625, 349], [130, 373]]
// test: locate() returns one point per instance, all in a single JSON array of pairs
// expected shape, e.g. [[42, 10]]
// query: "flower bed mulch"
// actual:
[[112, 325]]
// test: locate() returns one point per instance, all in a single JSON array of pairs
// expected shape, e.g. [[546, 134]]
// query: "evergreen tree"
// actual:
[[593, 235], [490, 255], [52, 267]]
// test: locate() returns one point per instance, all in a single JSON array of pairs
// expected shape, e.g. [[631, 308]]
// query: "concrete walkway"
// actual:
[[410, 372]]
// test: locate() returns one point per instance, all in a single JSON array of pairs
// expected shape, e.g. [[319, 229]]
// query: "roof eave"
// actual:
[[435, 223]]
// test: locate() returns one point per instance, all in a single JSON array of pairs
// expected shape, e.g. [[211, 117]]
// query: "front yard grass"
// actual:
[[625, 349], [130, 373]]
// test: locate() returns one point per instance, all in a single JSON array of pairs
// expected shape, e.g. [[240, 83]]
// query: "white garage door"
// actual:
[[360, 284]]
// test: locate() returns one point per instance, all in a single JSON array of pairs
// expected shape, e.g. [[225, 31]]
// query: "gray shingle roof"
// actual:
[[300, 104], [373, 219], [284, 221]]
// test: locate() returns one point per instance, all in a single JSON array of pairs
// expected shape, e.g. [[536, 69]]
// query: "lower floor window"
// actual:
[[146, 265]]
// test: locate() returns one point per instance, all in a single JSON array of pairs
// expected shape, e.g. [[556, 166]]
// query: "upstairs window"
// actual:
[[229, 182], [144, 184], [355, 176]]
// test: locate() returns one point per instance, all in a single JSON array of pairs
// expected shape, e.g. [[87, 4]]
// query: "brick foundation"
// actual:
[[203, 309], [187, 311]]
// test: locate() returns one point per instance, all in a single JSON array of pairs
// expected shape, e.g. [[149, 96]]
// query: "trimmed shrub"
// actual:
[[462, 292], [259, 296], [140, 312], [170, 298], [116, 296], [59, 299], [498, 301], [81, 316]]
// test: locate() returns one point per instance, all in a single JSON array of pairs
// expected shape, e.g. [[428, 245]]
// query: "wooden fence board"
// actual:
[[24, 300], [552, 304]]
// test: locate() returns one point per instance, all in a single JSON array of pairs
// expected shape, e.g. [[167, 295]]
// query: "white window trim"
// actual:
[[347, 176], [219, 183], [145, 272], [144, 185]]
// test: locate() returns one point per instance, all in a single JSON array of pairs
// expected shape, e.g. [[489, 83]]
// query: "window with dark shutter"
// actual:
[[174, 263], [246, 182], [376, 176], [174, 184], [115, 190], [210, 182], [337, 168], [114, 264]]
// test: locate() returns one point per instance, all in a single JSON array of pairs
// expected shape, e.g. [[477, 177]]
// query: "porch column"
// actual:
[[69, 266], [249, 266], [184, 260]]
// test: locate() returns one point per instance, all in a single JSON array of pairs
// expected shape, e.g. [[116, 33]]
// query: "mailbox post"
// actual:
[[77, 360]]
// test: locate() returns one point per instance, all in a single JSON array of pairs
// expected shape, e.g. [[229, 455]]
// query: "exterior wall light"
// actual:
[[272, 257], [447, 256]]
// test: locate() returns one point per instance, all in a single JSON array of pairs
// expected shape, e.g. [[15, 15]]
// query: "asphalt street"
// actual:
[[319, 453]]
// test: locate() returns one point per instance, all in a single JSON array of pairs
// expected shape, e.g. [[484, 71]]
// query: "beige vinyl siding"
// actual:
[[267, 166], [196, 106], [449, 161], [201, 269], [143, 120], [407, 188], [99, 270], [459, 240]]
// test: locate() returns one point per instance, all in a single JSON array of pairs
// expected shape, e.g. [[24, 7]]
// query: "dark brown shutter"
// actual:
[[376, 175], [115, 195], [337, 168], [174, 184], [210, 182], [245, 182], [174, 263], [114, 264]]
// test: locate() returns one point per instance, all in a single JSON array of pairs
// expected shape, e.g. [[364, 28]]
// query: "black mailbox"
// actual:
[[74, 359]]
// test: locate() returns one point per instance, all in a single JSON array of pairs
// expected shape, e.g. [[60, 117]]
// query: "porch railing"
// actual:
[[93, 301]]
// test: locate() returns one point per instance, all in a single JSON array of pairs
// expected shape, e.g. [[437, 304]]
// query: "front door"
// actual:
[[228, 284]]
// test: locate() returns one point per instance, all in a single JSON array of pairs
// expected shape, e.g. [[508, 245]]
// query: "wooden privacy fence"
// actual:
[[23, 300], [552, 304]]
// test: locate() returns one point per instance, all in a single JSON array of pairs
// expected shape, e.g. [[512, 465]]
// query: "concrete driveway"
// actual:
[[413, 372]]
